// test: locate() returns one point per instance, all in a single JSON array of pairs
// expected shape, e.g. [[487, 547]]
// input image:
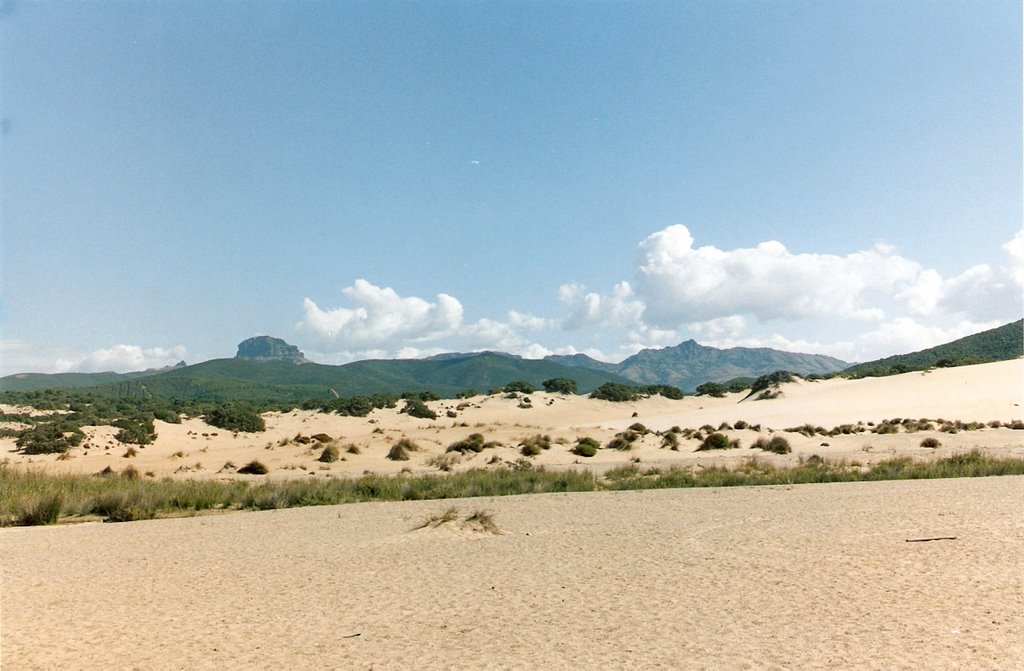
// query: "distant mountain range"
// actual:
[[689, 364], [268, 369]]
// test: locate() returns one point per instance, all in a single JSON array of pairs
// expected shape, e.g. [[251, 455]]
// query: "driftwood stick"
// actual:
[[933, 538]]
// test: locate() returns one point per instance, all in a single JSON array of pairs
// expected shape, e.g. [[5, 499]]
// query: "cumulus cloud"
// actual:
[[680, 283], [382, 317], [720, 327], [593, 309]]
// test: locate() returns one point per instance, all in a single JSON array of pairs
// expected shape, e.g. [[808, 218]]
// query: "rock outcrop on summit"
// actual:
[[265, 348]]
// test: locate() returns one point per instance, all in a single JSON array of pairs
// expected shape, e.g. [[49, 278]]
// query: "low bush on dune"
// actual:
[[931, 442], [586, 447], [329, 454], [401, 450], [534, 445], [254, 468], [49, 438], [235, 418], [717, 441], [776, 444], [474, 442], [414, 407]]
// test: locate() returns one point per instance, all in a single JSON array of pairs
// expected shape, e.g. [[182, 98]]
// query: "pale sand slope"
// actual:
[[812, 576], [971, 394]]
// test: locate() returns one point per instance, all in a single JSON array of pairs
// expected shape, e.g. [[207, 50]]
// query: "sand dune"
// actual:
[[971, 394]]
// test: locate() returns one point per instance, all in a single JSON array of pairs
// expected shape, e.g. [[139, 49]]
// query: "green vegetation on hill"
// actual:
[[268, 382], [998, 344]]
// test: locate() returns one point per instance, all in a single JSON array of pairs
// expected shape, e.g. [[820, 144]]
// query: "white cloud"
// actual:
[[382, 318], [679, 283], [721, 327], [593, 309], [126, 358]]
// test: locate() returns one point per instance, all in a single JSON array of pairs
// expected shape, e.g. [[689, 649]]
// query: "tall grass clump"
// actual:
[[329, 454], [401, 450], [43, 509]]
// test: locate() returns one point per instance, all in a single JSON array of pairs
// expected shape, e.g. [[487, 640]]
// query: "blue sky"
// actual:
[[397, 179]]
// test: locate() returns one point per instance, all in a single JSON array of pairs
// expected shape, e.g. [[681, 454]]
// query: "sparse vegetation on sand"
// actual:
[[33, 497], [480, 521], [586, 447], [329, 454], [401, 450], [776, 444], [717, 441]]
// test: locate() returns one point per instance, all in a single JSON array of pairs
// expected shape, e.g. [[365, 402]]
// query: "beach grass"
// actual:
[[32, 497]]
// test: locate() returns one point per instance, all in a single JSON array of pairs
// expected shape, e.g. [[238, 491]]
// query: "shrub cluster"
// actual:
[[414, 407], [235, 418]]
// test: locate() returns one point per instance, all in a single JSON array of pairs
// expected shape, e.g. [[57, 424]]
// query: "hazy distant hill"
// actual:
[[30, 381], [690, 364], [998, 344]]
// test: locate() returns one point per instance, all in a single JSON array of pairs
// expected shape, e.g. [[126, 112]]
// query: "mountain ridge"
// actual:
[[268, 370]]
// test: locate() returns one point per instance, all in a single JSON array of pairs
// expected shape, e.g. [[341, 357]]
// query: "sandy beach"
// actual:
[[811, 576]]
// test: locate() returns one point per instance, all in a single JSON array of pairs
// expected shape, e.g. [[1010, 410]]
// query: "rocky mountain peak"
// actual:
[[265, 348]]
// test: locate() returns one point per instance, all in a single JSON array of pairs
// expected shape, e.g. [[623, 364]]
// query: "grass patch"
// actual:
[[33, 497]]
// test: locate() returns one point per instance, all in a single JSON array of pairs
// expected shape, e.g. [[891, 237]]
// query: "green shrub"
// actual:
[[715, 441], [137, 430], [417, 408], [713, 389], [560, 385], [519, 386], [776, 444], [472, 443], [616, 392], [235, 418], [586, 447], [532, 446], [529, 449], [49, 438]]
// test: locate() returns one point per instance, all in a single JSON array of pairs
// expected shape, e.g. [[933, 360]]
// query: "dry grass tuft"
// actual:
[[434, 521], [481, 521], [254, 468], [329, 454], [400, 451]]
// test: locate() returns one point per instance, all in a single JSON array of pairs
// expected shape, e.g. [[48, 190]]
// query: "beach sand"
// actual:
[[810, 576]]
